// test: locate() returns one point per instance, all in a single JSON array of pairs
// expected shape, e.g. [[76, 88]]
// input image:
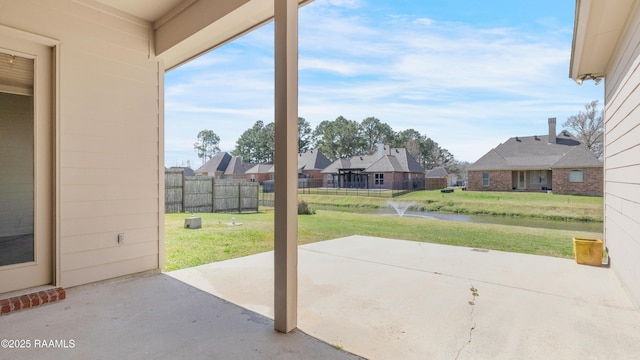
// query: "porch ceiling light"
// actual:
[[596, 78]]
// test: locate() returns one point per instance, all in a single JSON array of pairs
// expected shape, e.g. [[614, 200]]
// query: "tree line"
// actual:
[[344, 138], [340, 138]]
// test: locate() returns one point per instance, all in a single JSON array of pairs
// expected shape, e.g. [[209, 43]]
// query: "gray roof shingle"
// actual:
[[393, 160], [536, 153]]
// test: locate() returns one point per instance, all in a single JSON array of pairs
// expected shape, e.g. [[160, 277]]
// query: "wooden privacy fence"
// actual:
[[199, 194]]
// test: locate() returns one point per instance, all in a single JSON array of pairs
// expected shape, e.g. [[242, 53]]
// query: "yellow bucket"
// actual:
[[588, 251]]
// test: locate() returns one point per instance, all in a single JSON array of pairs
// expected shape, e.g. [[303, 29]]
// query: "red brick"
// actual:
[[62, 294], [53, 295], [44, 297], [35, 299], [15, 304], [5, 306], [26, 301]]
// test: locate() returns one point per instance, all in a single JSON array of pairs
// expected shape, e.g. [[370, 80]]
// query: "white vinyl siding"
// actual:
[[622, 159], [110, 136]]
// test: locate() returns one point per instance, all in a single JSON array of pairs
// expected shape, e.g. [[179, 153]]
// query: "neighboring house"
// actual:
[[388, 168], [311, 163], [83, 123], [225, 167], [215, 166], [539, 163], [436, 178], [606, 43], [236, 169], [187, 170], [259, 173]]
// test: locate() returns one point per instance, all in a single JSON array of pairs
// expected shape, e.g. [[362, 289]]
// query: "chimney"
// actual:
[[381, 150], [552, 130]]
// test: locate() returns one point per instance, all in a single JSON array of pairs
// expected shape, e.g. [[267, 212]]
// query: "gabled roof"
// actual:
[[578, 155], [218, 162], [393, 160], [187, 170], [260, 169], [312, 160], [536, 153], [237, 166], [437, 172]]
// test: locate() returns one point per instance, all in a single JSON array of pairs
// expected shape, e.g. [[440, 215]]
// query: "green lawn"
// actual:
[[217, 240]]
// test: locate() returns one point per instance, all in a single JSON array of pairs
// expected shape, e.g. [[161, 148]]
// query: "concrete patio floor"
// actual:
[[393, 299], [377, 298], [154, 317]]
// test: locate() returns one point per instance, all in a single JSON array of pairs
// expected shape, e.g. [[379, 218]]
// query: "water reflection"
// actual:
[[488, 219]]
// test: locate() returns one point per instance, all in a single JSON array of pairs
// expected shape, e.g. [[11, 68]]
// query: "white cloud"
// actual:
[[467, 87]]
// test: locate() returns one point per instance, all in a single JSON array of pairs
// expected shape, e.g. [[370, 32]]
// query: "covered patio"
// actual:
[[373, 297]]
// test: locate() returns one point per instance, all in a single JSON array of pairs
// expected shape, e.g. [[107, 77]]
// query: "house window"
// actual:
[[485, 179], [539, 177], [379, 179], [253, 178], [329, 179], [576, 176]]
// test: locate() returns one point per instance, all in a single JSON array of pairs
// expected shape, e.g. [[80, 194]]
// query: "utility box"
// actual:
[[588, 251], [193, 223]]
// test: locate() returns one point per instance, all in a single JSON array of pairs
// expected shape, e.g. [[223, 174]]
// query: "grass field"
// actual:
[[217, 240], [533, 205]]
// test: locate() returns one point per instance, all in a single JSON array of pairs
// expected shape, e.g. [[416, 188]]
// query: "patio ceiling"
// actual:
[[186, 29]]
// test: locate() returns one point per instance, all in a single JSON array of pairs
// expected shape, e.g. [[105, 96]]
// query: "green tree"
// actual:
[[588, 127], [373, 130], [256, 144], [340, 138], [305, 135], [207, 145]]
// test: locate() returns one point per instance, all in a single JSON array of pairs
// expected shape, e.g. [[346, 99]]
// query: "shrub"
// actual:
[[304, 209]]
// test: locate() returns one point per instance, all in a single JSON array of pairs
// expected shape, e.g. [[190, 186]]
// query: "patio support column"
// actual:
[[286, 166]]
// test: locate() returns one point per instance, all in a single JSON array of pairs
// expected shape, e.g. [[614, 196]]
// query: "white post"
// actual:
[[286, 159]]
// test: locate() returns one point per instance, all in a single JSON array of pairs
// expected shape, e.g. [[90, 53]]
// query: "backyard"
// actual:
[[218, 240]]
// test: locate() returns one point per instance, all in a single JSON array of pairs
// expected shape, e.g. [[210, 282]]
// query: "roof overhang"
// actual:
[[198, 26], [186, 29], [598, 27]]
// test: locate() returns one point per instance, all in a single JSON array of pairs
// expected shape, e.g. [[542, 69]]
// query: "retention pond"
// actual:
[[489, 219]]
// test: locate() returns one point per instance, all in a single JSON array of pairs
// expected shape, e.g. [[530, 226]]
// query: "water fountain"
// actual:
[[400, 207]]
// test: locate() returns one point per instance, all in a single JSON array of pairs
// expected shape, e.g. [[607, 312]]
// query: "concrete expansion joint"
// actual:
[[472, 326]]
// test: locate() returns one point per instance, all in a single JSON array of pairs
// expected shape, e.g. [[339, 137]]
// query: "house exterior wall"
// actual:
[[591, 184], [622, 159], [315, 174], [109, 136], [259, 178], [499, 180]]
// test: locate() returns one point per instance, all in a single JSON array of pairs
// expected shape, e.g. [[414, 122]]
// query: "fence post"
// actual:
[[213, 194], [184, 193], [239, 198]]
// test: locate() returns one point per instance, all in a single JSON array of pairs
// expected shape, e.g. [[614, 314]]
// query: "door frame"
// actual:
[[522, 184], [54, 173]]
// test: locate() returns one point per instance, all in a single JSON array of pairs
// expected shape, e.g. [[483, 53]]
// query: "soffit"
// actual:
[[149, 10], [598, 26]]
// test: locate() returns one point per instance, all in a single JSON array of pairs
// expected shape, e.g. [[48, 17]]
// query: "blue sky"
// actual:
[[469, 74]]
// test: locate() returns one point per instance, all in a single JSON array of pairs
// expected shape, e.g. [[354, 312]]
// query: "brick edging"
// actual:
[[34, 299]]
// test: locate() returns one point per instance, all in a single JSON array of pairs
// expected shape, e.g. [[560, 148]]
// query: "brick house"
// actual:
[[223, 166], [389, 168], [559, 163]]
